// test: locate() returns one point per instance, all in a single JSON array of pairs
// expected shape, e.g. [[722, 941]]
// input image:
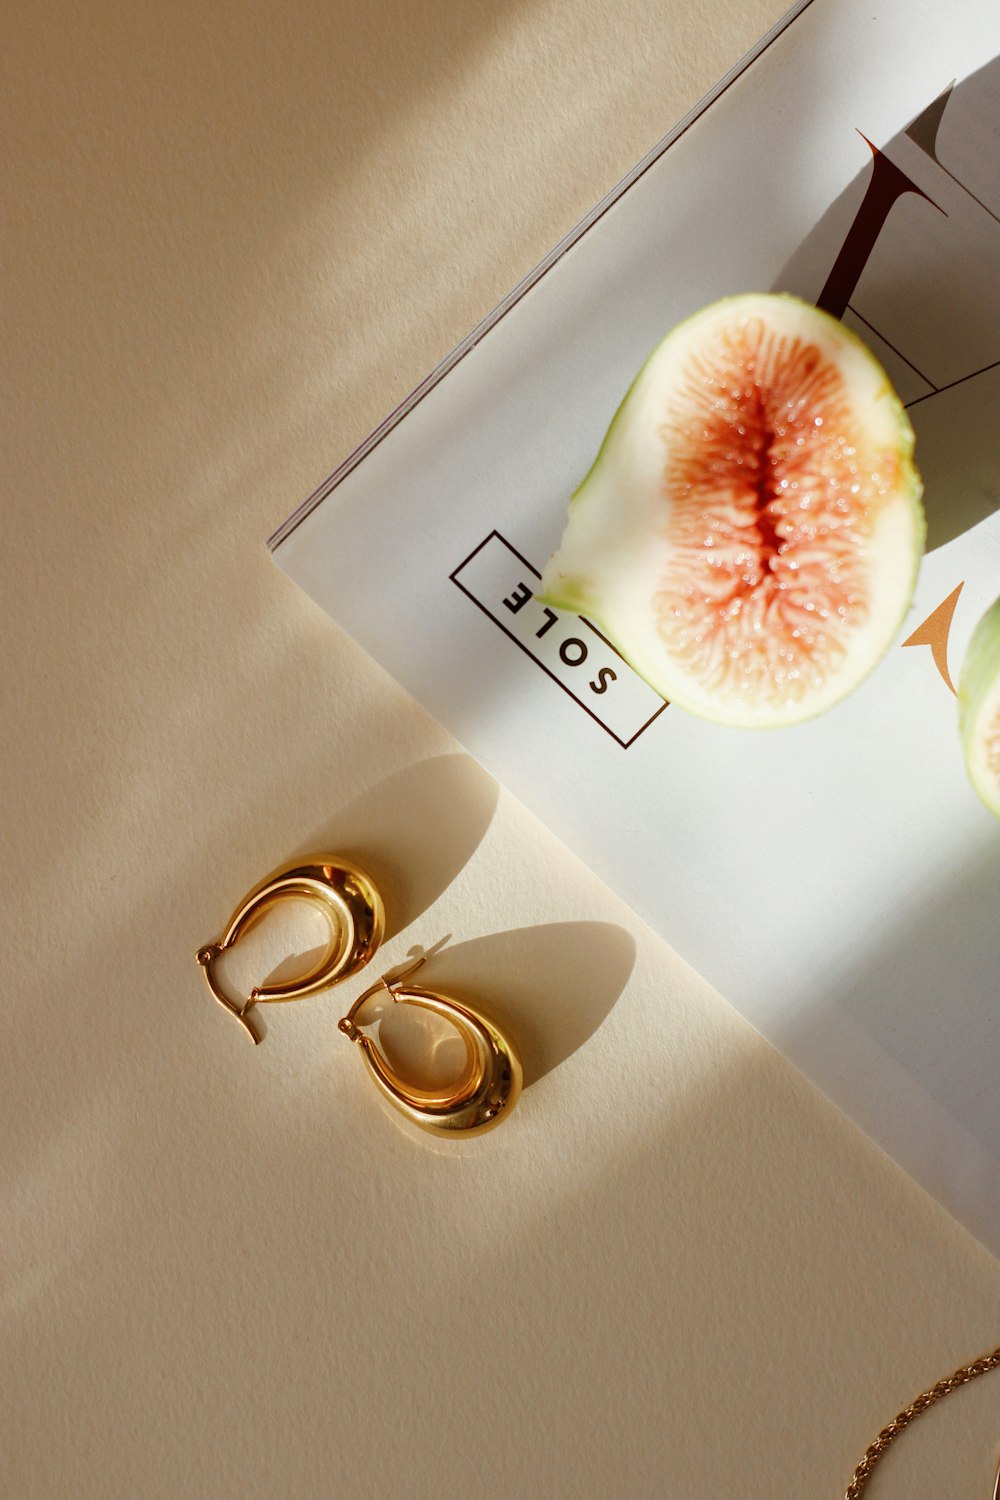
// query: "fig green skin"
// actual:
[[978, 692], [577, 594]]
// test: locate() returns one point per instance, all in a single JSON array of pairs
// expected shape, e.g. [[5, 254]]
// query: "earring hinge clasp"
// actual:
[[206, 957], [391, 982]]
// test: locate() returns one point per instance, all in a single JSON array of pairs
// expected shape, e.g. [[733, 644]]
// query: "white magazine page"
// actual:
[[838, 882]]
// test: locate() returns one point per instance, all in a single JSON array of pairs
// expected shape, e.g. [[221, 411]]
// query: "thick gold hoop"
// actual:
[[490, 1085], [350, 901]]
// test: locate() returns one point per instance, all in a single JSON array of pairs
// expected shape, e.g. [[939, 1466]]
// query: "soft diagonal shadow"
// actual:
[[925, 300], [920, 1000], [547, 987]]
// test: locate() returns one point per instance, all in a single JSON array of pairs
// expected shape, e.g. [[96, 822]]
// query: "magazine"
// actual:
[[838, 882]]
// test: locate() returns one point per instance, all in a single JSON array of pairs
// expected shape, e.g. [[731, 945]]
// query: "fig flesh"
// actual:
[[979, 708], [749, 534]]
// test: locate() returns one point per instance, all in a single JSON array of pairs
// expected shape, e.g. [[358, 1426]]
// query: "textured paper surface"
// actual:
[[235, 237]]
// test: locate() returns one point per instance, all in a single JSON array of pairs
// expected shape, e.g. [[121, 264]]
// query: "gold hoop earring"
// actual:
[[490, 1085], [349, 900]]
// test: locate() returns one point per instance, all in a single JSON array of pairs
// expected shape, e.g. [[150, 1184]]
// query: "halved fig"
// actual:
[[750, 531], [979, 708]]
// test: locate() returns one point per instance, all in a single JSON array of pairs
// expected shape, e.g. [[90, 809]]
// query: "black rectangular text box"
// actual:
[[568, 648]]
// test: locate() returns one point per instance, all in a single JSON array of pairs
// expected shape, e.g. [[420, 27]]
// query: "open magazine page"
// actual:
[[839, 881]]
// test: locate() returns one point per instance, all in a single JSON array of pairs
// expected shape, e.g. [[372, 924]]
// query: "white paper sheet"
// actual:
[[838, 882]]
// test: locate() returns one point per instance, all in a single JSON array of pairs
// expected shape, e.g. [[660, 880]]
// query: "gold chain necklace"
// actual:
[[899, 1423]]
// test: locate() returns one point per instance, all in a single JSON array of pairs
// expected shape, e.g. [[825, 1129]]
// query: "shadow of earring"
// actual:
[[415, 831], [548, 987]]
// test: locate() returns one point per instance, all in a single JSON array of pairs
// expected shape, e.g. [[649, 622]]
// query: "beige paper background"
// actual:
[[235, 235]]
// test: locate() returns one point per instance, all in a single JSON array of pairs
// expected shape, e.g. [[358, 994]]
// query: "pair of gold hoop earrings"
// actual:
[[491, 1081]]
